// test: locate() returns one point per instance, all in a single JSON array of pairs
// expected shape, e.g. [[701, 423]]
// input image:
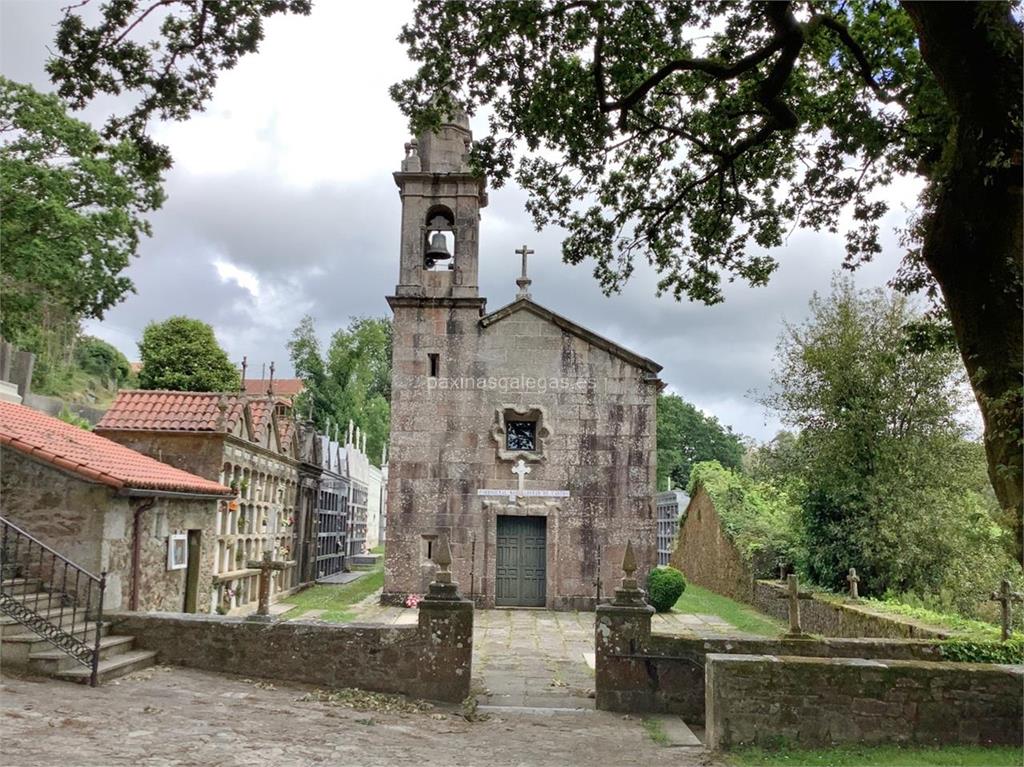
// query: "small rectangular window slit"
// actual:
[[434, 364]]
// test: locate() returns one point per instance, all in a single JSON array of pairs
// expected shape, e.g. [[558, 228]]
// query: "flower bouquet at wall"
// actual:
[[413, 600]]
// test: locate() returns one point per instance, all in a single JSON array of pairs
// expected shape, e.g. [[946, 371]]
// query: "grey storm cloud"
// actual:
[[251, 251]]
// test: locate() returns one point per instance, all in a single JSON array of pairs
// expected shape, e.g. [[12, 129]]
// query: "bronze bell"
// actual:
[[438, 250]]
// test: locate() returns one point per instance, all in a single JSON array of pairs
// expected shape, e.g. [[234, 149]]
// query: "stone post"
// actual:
[[622, 629], [446, 625]]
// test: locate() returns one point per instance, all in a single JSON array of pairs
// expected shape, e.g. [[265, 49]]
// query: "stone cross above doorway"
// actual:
[[521, 470]]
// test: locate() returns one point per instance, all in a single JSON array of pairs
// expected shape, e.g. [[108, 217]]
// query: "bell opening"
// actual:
[[439, 242]]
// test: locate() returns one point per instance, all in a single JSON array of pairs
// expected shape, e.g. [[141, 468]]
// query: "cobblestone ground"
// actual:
[[164, 716]]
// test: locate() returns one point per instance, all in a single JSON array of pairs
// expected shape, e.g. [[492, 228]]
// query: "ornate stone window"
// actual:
[[520, 433]]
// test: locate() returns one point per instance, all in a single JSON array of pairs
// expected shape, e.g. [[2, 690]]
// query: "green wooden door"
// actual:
[[521, 570]]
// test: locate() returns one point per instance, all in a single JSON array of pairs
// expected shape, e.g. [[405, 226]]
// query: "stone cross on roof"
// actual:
[[524, 282]]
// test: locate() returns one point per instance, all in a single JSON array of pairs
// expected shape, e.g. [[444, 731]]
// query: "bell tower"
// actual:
[[441, 202]]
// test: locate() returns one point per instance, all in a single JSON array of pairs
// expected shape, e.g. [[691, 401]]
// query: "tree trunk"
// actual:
[[973, 241]]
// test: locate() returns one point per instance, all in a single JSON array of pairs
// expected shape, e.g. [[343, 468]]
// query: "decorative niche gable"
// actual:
[[514, 413]]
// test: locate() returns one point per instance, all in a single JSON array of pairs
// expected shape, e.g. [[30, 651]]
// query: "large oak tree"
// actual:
[[693, 134]]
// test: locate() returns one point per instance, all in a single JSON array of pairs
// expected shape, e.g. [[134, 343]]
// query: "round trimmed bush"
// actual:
[[664, 587]]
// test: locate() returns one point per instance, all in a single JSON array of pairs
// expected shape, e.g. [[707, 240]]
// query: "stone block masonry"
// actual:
[[432, 660], [762, 699]]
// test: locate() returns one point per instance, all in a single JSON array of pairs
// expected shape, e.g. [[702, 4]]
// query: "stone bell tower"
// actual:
[[441, 202]]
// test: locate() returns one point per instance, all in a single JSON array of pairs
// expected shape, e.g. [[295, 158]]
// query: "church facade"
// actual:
[[526, 439]]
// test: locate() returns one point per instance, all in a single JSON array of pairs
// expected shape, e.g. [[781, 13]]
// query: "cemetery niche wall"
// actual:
[[529, 439]]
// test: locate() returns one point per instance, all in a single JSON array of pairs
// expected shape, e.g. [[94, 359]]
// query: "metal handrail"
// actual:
[[23, 555]]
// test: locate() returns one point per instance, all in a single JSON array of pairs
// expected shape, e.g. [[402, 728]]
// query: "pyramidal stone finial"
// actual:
[[444, 553], [629, 560]]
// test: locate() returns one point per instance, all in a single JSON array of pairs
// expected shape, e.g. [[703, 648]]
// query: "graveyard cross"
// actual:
[[521, 469], [265, 566], [524, 282], [853, 579], [1005, 597], [794, 595]]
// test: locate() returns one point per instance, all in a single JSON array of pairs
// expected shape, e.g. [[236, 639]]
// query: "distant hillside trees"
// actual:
[[686, 436], [352, 381]]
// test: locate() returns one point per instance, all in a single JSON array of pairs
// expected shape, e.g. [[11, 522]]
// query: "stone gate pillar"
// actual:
[[621, 632], [446, 626]]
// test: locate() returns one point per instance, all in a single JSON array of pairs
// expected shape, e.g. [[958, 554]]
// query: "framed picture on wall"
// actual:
[[177, 551]]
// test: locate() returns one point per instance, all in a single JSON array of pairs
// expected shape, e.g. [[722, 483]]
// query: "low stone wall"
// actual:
[[637, 671], [432, 660], [837, 619], [759, 699]]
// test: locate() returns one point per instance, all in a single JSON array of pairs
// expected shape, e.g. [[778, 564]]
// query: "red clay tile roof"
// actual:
[[172, 411], [283, 387], [261, 410], [91, 456]]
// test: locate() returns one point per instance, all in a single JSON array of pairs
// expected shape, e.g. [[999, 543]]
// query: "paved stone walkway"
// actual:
[[539, 658]]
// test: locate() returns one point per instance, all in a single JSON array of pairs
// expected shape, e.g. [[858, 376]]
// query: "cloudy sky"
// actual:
[[281, 203]]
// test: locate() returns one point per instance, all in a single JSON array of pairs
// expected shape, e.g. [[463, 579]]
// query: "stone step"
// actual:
[[52, 661], [9, 625], [15, 648], [111, 668], [15, 586], [42, 598]]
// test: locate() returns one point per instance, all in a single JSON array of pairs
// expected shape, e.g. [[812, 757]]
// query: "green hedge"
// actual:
[[664, 587]]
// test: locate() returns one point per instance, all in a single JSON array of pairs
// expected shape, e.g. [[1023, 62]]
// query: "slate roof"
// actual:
[[92, 457], [172, 411], [525, 304]]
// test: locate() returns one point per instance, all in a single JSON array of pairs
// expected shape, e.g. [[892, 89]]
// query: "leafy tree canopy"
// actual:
[[892, 485], [687, 436], [73, 207], [351, 382], [96, 356], [182, 354]]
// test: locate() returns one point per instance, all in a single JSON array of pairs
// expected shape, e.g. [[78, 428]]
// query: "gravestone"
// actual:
[[794, 595], [266, 566], [853, 579], [1006, 597]]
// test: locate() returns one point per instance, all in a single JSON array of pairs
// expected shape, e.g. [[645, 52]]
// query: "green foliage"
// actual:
[[73, 207], [336, 601], [182, 354], [352, 382], [904, 605], [173, 74], [759, 517], [67, 416], [893, 487], [95, 356], [970, 651], [700, 601], [664, 587], [686, 436]]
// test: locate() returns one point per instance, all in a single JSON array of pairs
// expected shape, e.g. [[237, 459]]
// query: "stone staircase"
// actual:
[[24, 649]]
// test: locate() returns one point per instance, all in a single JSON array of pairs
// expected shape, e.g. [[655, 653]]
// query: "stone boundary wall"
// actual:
[[432, 660], [836, 619], [760, 699], [707, 557], [666, 674]]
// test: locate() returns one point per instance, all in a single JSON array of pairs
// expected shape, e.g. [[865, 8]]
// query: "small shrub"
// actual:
[[969, 651], [664, 587], [68, 416]]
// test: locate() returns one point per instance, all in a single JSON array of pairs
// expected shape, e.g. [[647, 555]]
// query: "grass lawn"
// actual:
[[335, 599], [377, 549], [880, 756], [745, 618]]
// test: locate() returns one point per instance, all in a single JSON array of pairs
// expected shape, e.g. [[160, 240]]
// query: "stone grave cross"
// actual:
[[853, 579], [793, 595], [266, 566], [521, 470], [524, 282], [1005, 597]]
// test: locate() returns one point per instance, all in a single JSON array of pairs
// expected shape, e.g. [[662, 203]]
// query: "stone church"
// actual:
[[525, 438]]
